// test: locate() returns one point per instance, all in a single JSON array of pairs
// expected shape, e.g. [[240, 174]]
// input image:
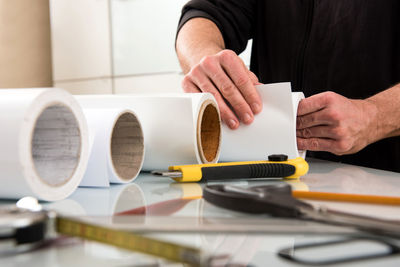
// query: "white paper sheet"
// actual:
[[116, 146], [272, 132], [171, 125], [44, 143]]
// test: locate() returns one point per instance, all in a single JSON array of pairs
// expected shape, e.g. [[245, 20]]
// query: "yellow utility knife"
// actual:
[[277, 166]]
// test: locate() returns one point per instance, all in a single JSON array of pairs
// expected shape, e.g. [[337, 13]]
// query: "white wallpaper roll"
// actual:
[[44, 143], [116, 146], [177, 128], [273, 130]]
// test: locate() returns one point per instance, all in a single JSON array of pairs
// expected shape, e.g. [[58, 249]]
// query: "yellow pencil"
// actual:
[[372, 199]]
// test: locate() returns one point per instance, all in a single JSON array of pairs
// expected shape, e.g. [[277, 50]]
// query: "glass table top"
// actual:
[[161, 201]]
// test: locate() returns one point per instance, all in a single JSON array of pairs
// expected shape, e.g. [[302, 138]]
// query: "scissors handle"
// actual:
[[274, 200]]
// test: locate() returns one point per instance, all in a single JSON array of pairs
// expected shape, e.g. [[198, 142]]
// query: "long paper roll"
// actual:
[[178, 128], [44, 143], [116, 146], [273, 130]]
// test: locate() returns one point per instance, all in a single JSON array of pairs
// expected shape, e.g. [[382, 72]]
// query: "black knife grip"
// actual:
[[248, 171]]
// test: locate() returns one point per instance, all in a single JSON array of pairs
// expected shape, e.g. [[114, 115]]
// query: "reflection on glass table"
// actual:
[[155, 199]]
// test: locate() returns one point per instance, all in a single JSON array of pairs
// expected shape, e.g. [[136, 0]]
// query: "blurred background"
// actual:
[[91, 46]]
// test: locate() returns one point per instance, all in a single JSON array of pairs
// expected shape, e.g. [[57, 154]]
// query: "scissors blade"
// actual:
[[365, 223]]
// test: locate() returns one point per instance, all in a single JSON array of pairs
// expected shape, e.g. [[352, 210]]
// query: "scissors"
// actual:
[[277, 200]]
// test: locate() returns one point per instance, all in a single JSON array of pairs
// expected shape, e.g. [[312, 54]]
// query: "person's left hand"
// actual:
[[331, 122]]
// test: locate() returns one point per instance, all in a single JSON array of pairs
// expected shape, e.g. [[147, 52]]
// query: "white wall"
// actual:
[[143, 35], [81, 45], [116, 46]]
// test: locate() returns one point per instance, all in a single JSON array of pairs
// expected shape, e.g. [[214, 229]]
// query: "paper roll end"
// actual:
[[127, 146], [52, 144], [209, 132]]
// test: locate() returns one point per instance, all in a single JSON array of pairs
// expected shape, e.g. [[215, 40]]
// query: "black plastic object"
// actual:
[[291, 255], [277, 200], [248, 171], [278, 157], [31, 234]]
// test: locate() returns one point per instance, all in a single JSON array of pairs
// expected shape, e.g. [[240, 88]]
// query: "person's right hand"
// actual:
[[233, 85]]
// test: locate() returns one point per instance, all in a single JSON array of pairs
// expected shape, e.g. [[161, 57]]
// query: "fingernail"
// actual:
[[247, 118], [255, 107], [232, 124]]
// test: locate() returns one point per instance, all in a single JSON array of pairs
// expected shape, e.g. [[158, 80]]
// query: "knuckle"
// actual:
[[253, 94], [329, 96], [314, 144], [300, 143], [227, 54], [299, 122], [342, 146], [208, 62], [194, 72], [227, 89], [241, 80], [307, 120], [240, 106], [186, 82], [228, 57], [334, 115], [185, 88], [306, 132], [216, 95], [225, 112], [205, 86], [339, 132]]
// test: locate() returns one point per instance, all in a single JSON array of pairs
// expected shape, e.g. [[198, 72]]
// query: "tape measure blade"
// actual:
[[130, 241], [236, 225]]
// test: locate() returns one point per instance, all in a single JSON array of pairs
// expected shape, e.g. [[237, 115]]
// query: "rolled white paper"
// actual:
[[44, 143], [273, 131], [116, 146], [178, 128]]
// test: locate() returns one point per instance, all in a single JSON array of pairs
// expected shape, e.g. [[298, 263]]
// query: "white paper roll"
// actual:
[[44, 143], [178, 128], [116, 146], [272, 132]]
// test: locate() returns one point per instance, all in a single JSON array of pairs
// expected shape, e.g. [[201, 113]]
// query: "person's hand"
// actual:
[[226, 77], [331, 122]]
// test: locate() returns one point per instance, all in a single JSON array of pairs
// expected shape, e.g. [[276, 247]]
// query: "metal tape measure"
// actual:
[[23, 228]]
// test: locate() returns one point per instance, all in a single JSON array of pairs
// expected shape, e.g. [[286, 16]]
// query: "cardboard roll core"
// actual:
[[127, 146], [56, 145], [209, 132]]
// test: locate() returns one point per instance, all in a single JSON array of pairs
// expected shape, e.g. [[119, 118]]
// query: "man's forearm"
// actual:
[[388, 112], [197, 38]]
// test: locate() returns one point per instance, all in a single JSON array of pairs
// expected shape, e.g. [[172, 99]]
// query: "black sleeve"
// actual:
[[234, 18]]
